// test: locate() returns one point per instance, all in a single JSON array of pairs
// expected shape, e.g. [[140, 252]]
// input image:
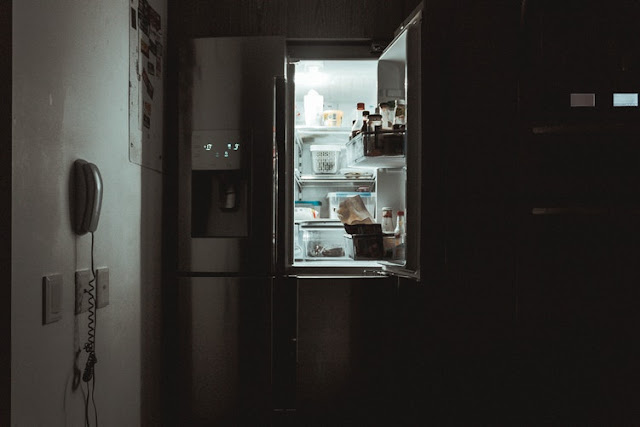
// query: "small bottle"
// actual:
[[387, 220], [357, 123], [365, 121], [400, 234], [400, 113], [385, 112]]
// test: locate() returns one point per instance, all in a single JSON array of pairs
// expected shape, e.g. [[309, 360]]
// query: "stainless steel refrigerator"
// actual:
[[246, 170]]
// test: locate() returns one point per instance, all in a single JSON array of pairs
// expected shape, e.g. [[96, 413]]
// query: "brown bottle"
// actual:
[[365, 121]]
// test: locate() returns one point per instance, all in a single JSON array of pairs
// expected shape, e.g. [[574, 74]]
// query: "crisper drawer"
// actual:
[[322, 240]]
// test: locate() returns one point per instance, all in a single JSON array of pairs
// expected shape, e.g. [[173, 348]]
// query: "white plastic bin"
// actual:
[[325, 158]]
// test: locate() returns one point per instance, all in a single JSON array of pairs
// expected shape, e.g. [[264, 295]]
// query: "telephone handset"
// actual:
[[88, 196]]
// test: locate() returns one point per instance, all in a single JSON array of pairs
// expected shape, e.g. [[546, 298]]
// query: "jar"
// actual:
[[400, 114], [387, 115], [375, 121], [332, 118]]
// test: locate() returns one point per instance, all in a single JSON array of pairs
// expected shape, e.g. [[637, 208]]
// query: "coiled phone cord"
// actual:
[[90, 346]]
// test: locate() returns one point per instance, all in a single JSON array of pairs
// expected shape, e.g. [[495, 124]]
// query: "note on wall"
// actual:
[[146, 66]]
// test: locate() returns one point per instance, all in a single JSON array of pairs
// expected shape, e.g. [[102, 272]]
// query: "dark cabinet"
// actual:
[[360, 352], [577, 290], [578, 221]]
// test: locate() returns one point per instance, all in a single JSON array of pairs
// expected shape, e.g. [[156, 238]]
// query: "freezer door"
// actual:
[[400, 77], [226, 154], [224, 350]]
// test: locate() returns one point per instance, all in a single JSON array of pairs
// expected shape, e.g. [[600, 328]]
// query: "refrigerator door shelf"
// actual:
[[383, 149], [397, 268]]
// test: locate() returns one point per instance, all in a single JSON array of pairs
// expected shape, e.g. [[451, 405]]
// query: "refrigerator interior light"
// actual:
[[311, 74]]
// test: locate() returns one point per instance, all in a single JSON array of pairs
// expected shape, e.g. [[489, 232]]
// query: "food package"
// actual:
[[352, 211]]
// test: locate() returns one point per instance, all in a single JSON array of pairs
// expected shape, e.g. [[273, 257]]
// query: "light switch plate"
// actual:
[[51, 298], [582, 99], [102, 290], [82, 290]]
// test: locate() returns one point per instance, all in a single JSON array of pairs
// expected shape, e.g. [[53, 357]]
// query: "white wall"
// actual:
[[70, 78]]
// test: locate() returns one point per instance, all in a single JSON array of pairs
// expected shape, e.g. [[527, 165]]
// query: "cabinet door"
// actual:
[[577, 292]]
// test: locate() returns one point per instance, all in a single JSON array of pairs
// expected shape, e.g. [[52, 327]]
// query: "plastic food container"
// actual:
[[332, 118], [306, 209], [322, 240], [364, 246], [325, 158], [369, 200]]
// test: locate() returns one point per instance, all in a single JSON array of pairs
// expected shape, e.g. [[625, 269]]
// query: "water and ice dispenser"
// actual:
[[219, 184]]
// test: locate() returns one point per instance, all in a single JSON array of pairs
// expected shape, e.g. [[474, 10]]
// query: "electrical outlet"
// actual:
[[82, 290], [102, 289], [52, 298]]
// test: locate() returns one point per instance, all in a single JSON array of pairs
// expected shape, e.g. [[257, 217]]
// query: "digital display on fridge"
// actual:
[[216, 150]]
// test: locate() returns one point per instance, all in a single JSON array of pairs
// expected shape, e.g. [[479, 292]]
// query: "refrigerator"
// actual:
[[257, 217]]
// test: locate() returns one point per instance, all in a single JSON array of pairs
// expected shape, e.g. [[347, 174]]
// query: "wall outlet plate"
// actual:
[[102, 287], [82, 290], [51, 298]]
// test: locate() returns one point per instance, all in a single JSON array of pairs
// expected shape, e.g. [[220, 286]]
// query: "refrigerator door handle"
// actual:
[[280, 186], [575, 211]]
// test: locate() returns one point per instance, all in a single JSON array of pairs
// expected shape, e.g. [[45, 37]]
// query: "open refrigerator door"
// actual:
[[357, 136]]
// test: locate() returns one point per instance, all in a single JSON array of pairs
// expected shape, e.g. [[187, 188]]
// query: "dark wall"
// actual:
[[366, 19], [5, 212]]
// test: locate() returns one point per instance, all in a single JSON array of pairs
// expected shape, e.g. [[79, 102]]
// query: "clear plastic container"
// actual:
[[322, 240], [332, 118], [369, 200]]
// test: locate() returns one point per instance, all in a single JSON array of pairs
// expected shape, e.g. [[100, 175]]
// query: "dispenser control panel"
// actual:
[[216, 150]]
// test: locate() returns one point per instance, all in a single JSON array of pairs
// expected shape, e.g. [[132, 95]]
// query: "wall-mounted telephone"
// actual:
[[88, 196]]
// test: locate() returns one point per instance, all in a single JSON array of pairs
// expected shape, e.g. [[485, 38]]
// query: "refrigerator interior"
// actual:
[[326, 95]]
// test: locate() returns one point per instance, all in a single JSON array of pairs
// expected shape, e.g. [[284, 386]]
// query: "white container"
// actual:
[[313, 106], [369, 200], [325, 158]]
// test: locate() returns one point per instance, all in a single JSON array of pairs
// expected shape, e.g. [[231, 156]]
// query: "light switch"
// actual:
[[102, 290], [625, 99], [51, 298], [583, 99]]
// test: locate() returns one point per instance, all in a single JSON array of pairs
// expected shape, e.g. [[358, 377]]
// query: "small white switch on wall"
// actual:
[[583, 99], [102, 287], [51, 298]]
